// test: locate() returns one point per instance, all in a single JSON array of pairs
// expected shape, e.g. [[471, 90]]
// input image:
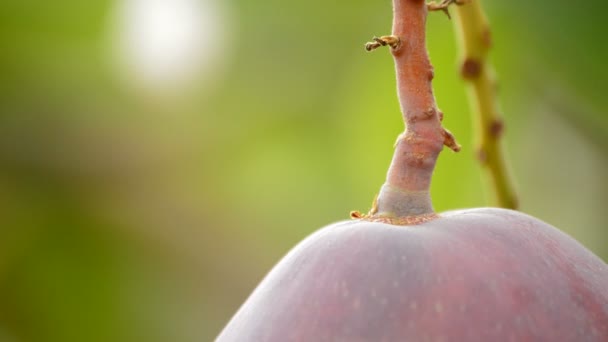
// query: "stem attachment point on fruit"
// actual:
[[393, 41], [404, 210]]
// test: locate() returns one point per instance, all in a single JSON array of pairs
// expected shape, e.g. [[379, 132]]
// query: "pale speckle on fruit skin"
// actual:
[[347, 330], [395, 284], [518, 319], [345, 290], [440, 339], [357, 303], [413, 305], [438, 307]]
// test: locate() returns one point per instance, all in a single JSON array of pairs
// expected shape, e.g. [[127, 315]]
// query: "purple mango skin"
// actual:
[[471, 275]]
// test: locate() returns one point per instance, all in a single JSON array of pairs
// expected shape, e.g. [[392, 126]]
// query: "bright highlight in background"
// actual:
[[167, 44]]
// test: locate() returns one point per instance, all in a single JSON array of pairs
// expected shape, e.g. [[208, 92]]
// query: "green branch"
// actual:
[[474, 39]]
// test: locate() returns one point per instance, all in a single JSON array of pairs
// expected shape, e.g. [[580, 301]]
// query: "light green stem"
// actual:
[[474, 38]]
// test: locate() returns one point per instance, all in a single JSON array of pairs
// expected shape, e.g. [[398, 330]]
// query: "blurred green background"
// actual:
[[157, 157]]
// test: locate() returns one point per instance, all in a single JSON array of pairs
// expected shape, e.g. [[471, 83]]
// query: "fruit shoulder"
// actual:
[[472, 274]]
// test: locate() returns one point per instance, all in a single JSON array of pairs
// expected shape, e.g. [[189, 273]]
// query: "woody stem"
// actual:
[[406, 190]]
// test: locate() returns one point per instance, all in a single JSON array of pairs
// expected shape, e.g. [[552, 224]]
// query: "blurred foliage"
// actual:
[[134, 214]]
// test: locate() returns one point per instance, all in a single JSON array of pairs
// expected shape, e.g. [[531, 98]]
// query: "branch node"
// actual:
[[444, 6], [356, 214], [450, 141], [393, 41], [399, 138], [496, 128], [471, 68]]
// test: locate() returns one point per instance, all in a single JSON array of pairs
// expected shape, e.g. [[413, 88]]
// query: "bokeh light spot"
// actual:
[[167, 45]]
